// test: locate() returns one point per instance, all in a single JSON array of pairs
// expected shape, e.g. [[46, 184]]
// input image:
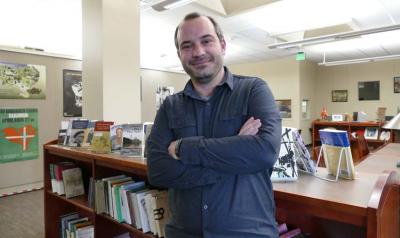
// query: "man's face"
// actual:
[[200, 51]]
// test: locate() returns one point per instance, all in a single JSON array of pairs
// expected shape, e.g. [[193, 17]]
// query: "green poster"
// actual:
[[19, 137]]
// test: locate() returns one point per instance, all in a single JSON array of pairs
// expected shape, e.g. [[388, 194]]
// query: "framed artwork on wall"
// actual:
[[339, 95], [22, 81], [396, 84], [368, 90], [285, 108], [72, 84]]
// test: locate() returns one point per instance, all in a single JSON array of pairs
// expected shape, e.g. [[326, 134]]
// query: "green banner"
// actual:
[[19, 137]]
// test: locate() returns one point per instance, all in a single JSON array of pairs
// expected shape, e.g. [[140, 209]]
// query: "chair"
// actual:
[[359, 149]]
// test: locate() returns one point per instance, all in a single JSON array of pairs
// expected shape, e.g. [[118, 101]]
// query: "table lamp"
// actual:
[[393, 124]]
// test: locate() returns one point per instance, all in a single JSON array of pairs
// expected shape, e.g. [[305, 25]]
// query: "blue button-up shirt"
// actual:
[[221, 185]]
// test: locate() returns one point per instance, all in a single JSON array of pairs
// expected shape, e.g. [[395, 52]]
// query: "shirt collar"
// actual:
[[228, 80]]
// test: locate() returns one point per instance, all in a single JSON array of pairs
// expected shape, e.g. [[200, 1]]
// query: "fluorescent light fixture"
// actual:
[[360, 60], [288, 16], [170, 4], [333, 37]]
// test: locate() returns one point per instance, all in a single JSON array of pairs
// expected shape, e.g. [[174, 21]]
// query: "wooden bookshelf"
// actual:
[[92, 165], [365, 207]]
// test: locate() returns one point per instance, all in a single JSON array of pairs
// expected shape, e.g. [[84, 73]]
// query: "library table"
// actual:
[[365, 207]]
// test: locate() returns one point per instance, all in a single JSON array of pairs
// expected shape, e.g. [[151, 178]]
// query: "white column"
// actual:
[[111, 76]]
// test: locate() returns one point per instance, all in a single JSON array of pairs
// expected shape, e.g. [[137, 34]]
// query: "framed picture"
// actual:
[[371, 133], [368, 90], [339, 95], [396, 84], [285, 108], [22, 81], [72, 83]]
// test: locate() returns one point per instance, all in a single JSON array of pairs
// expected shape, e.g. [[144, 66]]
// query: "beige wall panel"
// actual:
[[307, 91], [346, 77], [282, 76], [151, 79], [50, 113]]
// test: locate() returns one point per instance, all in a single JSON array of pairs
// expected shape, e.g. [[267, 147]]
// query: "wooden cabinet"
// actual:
[[350, 127], [92, 165]]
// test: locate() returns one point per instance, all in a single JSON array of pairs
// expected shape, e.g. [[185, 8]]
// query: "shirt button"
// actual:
[[205, 207]]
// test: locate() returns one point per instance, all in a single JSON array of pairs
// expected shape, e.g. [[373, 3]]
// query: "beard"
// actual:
[[203, 75]]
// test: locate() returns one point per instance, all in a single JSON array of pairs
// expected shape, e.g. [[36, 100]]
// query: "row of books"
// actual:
[[133, 203], [105, 137], [72, 225], [66, 179]]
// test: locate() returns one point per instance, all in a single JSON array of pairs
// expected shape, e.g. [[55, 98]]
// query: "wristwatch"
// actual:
[[178, 147]]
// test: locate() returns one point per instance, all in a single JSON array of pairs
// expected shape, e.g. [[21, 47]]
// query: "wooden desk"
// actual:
[[365, 207], [381, 159]]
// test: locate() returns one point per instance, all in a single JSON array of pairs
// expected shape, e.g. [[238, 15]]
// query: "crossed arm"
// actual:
[[208, 160], [250, 127]]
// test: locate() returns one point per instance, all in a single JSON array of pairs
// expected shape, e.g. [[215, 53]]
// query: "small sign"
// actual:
[[300, 56], [337, 117]]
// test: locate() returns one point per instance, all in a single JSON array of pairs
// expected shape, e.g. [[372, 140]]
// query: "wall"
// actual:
[[307, 91], [50, 113], [282, 76], [151, 79], [346, 77]]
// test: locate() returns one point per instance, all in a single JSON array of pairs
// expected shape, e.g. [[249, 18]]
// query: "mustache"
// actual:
[[199, 60]]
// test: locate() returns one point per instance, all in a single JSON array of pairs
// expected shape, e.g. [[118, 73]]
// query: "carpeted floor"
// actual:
[[22, 215]]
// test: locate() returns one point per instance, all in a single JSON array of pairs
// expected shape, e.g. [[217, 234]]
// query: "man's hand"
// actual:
[[172, 148], [250, 127]]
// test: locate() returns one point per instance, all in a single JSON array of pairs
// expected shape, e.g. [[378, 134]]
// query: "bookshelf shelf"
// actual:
[[80, 201], [96, 166]]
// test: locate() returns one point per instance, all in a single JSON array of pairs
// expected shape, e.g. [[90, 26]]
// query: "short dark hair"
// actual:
[[195, 15]]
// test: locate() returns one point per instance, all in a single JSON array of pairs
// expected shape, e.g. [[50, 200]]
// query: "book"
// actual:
[[303, 157], [336, 144], [62, 133], [78, 128], [292, 234], [64, 219], [73, 182], [116, 136], [144, 220], [71, 223], [161, 212], [126, 204], [285, 168], [58, 168], [88, 135], [133, 140], [101, 137]]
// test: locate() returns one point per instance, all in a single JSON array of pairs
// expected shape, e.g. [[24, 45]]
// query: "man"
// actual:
[[214, 144]]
